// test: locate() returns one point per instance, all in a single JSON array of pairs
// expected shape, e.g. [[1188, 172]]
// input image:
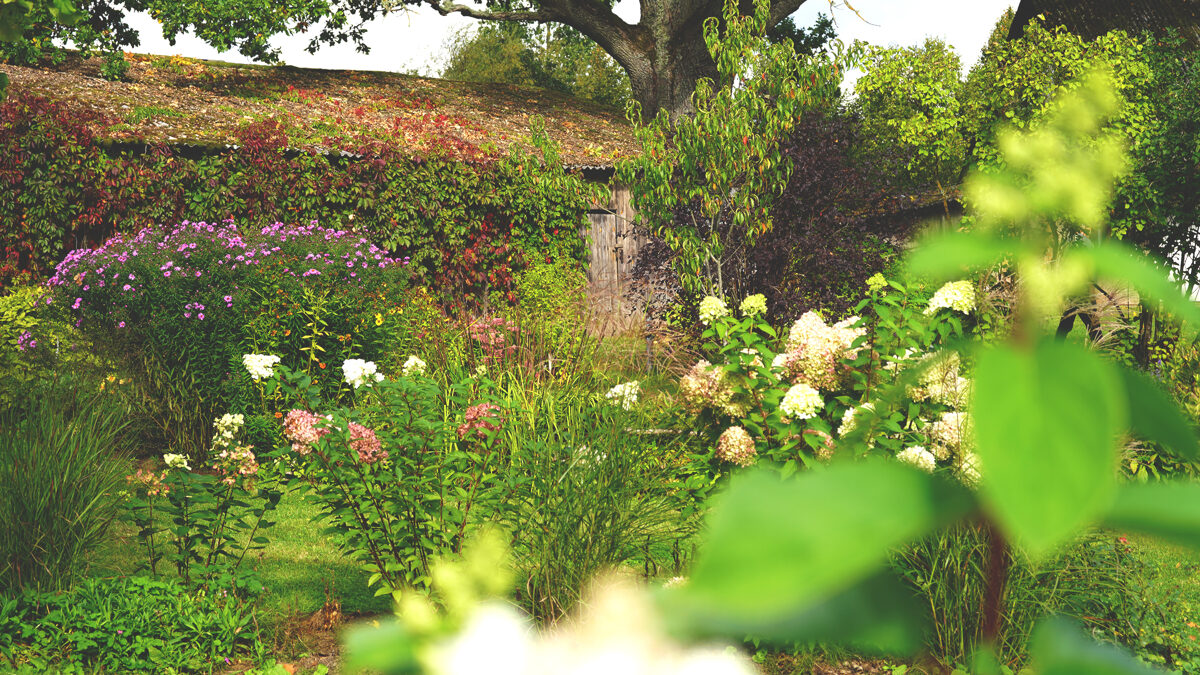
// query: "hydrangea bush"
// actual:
[[791, 397]]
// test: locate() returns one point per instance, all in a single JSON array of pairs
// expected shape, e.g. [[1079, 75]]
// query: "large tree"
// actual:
[[663, 53]]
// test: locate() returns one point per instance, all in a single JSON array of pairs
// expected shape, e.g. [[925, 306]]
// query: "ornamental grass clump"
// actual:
[[178, 308], [60, 464]]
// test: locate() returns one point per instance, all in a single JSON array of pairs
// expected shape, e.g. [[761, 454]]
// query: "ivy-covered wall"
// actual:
[[467, 227]]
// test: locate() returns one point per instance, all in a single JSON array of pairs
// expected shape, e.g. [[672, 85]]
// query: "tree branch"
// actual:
[[446, 7]]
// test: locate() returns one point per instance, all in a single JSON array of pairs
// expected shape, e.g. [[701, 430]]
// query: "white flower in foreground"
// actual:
[[359, 372], [260, 366], [918, 457], [956, 295], [415, 365], [624, 395], [712, 308], [176, 461], [496, 639], [801, 402]]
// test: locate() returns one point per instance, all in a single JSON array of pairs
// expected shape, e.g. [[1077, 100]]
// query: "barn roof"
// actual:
[[202, 104], [1093, 18]]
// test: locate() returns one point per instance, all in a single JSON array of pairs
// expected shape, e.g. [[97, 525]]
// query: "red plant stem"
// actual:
[[997, 572]]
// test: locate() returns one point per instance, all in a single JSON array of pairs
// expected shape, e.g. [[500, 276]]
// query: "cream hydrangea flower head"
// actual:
[[754, 305], [801, 402], [918, 457], [260, 366], [359, 372], [956, 295], [712, 308], [876, 282], [736, 447], [176, 461], [415, 365]]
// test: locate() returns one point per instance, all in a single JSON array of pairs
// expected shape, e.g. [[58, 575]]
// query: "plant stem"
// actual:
[[997, 572]]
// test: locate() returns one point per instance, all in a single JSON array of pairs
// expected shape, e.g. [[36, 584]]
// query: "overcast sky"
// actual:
[[416, 40]]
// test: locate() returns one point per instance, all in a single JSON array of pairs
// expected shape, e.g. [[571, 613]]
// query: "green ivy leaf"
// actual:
[[1046, 424], [1154, 415], [1170, 510], [778, 548]]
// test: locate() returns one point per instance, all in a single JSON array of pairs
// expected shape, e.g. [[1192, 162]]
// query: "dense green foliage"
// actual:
[[465, 226]]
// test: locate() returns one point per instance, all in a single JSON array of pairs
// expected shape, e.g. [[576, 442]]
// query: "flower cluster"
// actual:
[[754, 305], [705, 386], [152, 482], [918, 457], [624, 395], [236, 462], [950, 434], [359, 372], [801, 402], [26, 341], [260, 366], [736, 447], [415, 365], [956, 295], [711, 309], [300, 427], [493, 336], [366, 444], [815, 350], [940, 382], [480, 419], [876, 282], [849, 418], [227, 427], [176, 461]]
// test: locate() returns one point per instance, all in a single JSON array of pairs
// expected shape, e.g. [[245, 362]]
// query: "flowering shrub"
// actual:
[[183, 304], [824, 377], [400, 480]]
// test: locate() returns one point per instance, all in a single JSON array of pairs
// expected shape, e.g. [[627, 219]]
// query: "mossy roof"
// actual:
[[192, 102]]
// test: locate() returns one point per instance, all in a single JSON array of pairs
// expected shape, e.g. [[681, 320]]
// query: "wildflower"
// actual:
[[359, 372], [624, 395], [754, 305], [736, 447], [176, 461], [918, 457], [956, 295], [876, 282], [480, 419], [260, 366], [712, 308], [801, 402], [378, 316], [415, 365]]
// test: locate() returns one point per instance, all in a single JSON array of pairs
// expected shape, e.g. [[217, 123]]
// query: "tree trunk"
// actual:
[[663, 77]]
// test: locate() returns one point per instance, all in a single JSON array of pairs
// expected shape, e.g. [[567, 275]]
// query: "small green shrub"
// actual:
[[61, 455], [123, 625], [552, 303]]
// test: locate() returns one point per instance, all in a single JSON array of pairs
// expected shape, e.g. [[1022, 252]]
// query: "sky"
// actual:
[[415, 40]]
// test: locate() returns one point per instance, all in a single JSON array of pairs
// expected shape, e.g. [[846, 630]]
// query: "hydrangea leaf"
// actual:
[[950, 256], [1059, 648], [1046, 426], [1170, 510], [1115, 261], [1154, 415], [779, 547]]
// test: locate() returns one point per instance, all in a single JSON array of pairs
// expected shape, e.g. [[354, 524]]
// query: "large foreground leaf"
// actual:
[[1154, 415], [1060, 648], [789, 552], [1046, 424], [1170, 510]]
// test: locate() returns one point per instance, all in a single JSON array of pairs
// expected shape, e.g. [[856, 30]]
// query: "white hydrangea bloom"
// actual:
[[415, 365], [260, 366], [754, 305], [712, 308], [848, 418], [918, 457], [624, 395], [956, 295], [176, 461], [359, 372], [801, 402]]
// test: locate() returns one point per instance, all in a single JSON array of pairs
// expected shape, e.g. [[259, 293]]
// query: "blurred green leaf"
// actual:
[[1154, 415], [780, 547], [951, 256], [1170, 510], [1046, 424], [385, 648], [1121, 263], [1060, 648]]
